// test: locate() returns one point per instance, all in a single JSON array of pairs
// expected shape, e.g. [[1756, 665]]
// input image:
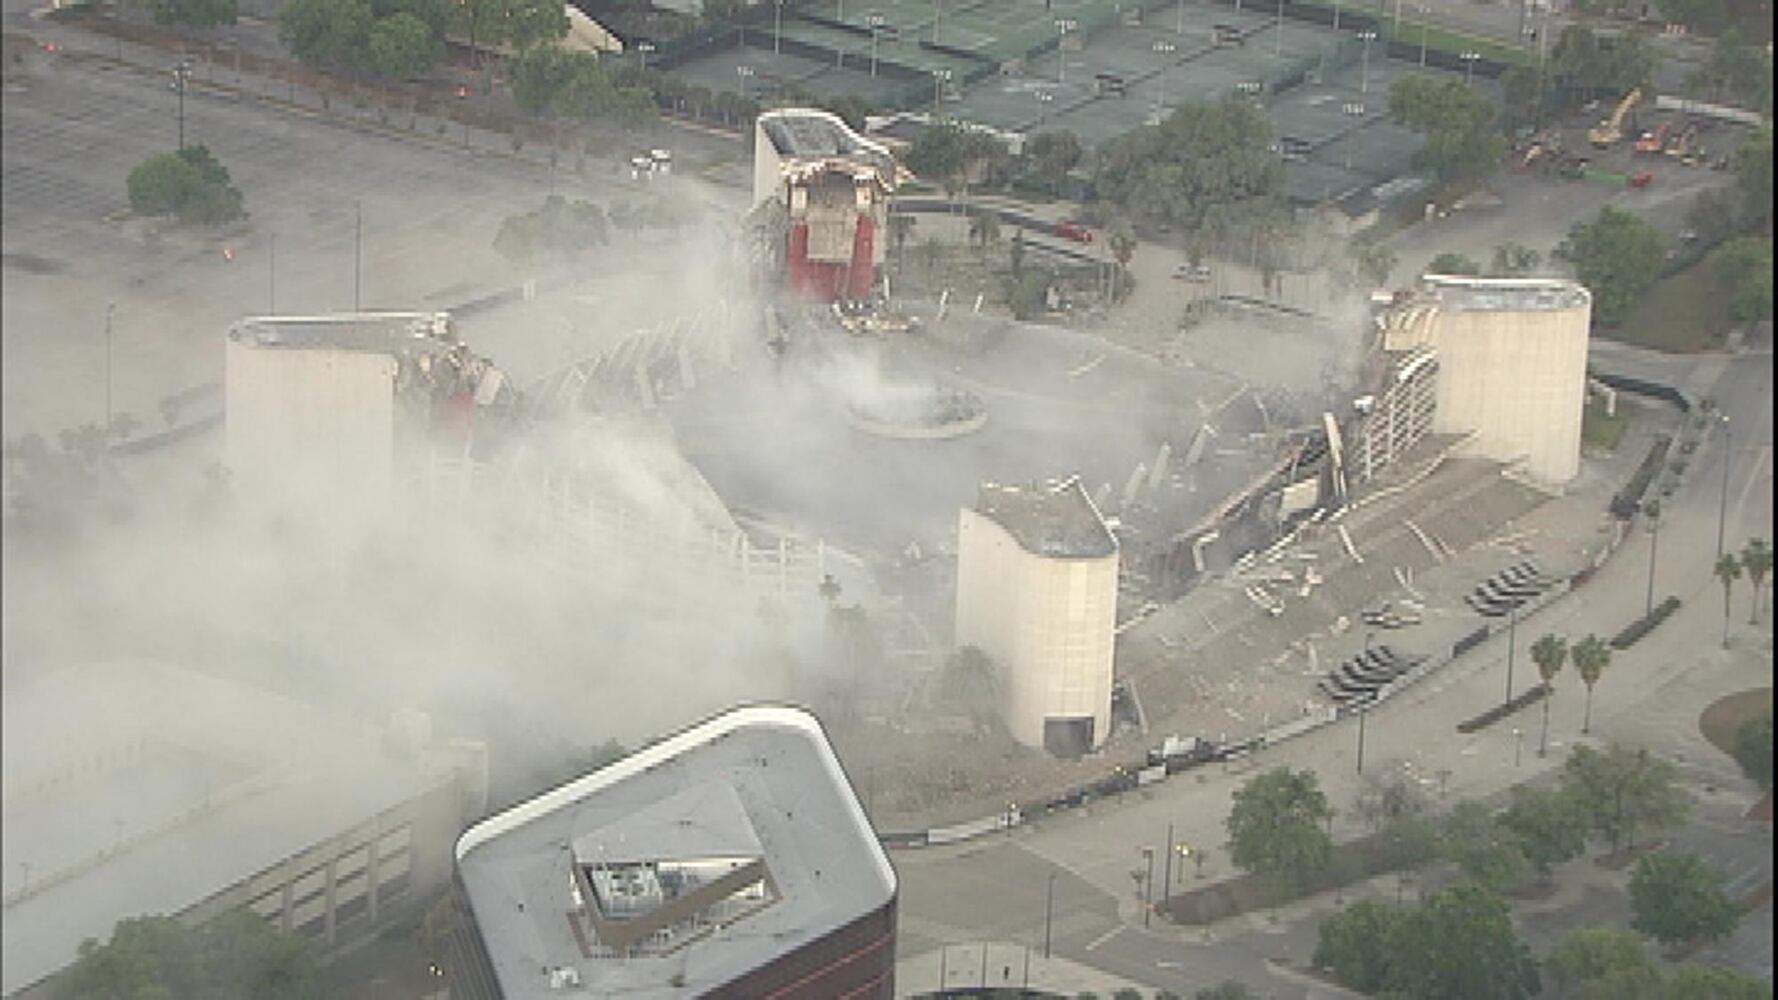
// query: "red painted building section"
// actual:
[[822, 281]]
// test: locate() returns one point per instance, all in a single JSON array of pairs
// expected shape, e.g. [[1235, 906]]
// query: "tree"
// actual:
[[1454, 263], [1549, 653], [1753, 178], [1521, 90], [1715, 214], [1208, 168], [1677, 897], [900, 225], [1756, 559], [551, 80], [1052, 155], [1462, 138], [1547, 825], [1460, 945], [523, 24], [1513, 259], [1589, 65], [558, 230], [1374, 261], [1617, 256], [188, 184], [1744, 275], [1591, 656], [1753, 750], [1728, 570], [1590, 955], [1028, 295], [327, 34], [1276, 827], [1388, 797], [1703, 17], [1122, 239], [237, 954], [1483, 847], [972, 681], [1353, 944], [1621, 789], [1691, 981], [401, 47], [984, 228], [194, 13]]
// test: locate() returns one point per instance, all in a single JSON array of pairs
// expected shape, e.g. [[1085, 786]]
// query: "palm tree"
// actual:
[[1728, 570], [984, 228], [900, 225], [1756, 560], [1548, 653], [1591, 656]]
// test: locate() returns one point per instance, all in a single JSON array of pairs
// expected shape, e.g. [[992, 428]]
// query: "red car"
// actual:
[[1074, 231]]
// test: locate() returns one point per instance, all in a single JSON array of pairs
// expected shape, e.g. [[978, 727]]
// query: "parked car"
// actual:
[[1074, 231], [1196, 275]]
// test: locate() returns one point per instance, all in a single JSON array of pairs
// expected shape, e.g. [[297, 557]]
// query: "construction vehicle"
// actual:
[[1611, 131], [1656, 141], [1682, 144]]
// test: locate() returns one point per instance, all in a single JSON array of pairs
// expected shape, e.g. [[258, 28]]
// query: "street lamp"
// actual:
[[109, 309], [1518, 746], [1351, 109], [777, 27], [1049, 901], [744, 72], [181, 74], [939, 76], [643, 49], [1279, 50], [1469, 59], [1512, 644], [1653, 510], [1364, 79], [1148, 886], [876, 22], [1044, 98], [1728, 452], [1361, 712], [1063, 26], [1180, 29]]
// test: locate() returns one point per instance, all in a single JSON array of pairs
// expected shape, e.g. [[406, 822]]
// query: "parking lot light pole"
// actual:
[[1180, 28], [1049, 907], [1364, 76], [1512, 643], [181, 73], [743, 72], [1148, 886], [1653, 510], [1518, 746], [876, 22], [1469, 59], [109, 309], [1063, 27], [777, 27], [1279, 50], [1728, 452], [1361, 712], [1355, 110], [1167, 866], [642, 50]]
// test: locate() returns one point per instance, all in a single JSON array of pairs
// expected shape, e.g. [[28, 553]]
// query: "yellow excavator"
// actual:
[[1610, 131]]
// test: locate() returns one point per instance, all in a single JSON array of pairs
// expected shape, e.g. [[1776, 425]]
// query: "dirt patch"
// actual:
[[1762, 810], [1724, 716]]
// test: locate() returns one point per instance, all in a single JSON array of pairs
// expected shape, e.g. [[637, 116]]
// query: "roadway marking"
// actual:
[[1765, 452], [1107, 936]]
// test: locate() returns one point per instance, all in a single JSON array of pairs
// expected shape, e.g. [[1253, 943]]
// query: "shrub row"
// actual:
[[1644, 625], [1501, 711]]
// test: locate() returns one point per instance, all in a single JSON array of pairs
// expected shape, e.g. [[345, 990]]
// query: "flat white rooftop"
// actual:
[[774, 763]]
